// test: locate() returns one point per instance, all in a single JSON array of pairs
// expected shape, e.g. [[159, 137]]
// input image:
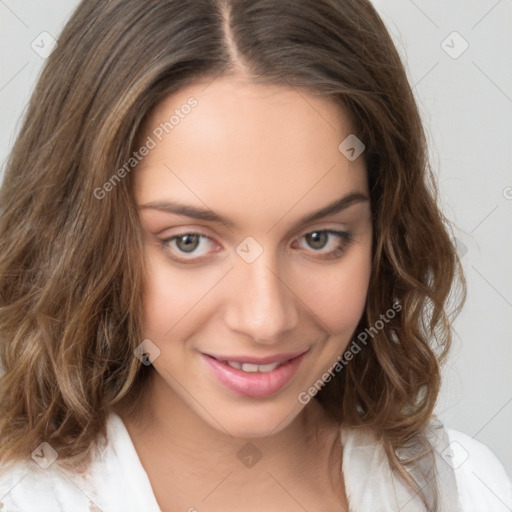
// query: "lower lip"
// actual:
[[254, 384]]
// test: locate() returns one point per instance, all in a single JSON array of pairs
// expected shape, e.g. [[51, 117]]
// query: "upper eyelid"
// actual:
[[298, 232]]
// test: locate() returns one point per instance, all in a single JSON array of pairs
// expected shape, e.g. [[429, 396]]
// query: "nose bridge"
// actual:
[[263, 306]]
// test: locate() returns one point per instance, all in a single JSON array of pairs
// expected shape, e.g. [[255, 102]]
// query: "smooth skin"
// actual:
[[263, 156]]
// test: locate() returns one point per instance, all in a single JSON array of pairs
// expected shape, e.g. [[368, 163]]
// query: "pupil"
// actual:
[[317, 239], [190, 243]]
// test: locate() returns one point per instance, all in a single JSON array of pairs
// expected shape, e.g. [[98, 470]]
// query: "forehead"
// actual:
[[251, 146]]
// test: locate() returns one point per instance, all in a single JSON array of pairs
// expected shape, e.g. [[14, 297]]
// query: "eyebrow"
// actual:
[[193, 212]]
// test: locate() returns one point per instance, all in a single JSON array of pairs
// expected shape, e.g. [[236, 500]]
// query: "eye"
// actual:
[[187, 246], [327, 242]]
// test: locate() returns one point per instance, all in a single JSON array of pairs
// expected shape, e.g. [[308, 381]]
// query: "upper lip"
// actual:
[[276, 358]]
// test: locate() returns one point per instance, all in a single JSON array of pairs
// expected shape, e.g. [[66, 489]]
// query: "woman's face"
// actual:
[[247, 262]]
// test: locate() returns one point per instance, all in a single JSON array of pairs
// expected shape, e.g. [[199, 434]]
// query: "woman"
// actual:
[[224, 272]]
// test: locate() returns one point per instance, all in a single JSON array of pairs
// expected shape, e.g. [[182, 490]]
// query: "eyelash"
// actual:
[[346, 239]]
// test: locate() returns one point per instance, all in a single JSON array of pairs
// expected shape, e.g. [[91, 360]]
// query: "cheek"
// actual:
[[171, 296], [336, 294]]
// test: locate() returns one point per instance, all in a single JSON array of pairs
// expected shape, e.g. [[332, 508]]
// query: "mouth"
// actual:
[[254, 377], [252, 364]]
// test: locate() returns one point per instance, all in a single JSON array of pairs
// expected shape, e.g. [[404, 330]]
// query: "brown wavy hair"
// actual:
[[72, 265]]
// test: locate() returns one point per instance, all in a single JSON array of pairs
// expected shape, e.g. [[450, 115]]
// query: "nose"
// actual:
[[261, 304]]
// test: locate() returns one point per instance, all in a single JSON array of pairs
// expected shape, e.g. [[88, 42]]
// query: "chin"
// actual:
[[254, 419]]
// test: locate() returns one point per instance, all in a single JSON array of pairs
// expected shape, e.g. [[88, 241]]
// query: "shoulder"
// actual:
[[115, 480], [470, 477], [481, 479]]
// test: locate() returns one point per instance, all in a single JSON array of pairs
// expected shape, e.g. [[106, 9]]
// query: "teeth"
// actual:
[[268, 367], [253, 368], [249, 368]]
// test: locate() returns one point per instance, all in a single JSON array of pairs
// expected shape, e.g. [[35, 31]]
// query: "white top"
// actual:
[[117, 482]]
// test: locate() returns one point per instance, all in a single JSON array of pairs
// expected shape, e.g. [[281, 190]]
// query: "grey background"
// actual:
[[466, 104]]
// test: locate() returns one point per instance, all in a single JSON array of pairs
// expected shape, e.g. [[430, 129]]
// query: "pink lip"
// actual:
[[257, 384]]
